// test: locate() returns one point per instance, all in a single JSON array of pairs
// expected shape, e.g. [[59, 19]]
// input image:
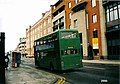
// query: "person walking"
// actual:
[[18, 59], [90, 52], [6, 61]]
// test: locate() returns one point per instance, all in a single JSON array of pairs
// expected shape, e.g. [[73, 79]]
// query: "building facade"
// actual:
[[85, 16], [112, 15], [61, 14], [79, 21], [97, 21], [39, 29], [22, 47]]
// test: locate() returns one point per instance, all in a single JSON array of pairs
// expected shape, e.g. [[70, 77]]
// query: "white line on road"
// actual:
[[94, 67]]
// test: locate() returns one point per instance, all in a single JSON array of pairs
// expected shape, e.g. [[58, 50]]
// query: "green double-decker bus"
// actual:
[[59, 50]]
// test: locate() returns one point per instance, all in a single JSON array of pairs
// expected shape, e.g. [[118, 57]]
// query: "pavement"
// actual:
[[26, 74], [108, 62], [102, 63]]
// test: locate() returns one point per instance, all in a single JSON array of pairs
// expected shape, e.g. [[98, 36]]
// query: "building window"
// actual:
[[49, 30], [87, 21], [55, 25], [93, 3], [61, 23], [69, 26], [119, 10], [115, 13], [108, 17], [54, 7], [38, 35], [95, 34], [94, 18], [44, 32], [40, 26], [112, 12], [48, 20], [56, 22], [44, 23], [75, 1], [69, 5], [75, 23], [41, 34], [61, 19]]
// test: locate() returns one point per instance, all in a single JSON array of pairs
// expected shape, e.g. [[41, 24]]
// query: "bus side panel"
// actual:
[[52, 59]]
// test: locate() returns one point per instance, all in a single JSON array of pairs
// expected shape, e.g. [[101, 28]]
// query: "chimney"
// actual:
[[29, 26], [43, 14]]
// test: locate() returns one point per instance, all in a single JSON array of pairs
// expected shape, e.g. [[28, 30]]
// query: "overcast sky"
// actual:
[[17, 15]]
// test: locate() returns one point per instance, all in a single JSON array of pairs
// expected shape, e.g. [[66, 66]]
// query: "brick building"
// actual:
[[88, 19], [87, 16]]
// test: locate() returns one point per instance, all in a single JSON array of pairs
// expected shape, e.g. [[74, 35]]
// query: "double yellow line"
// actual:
[[61, 80]]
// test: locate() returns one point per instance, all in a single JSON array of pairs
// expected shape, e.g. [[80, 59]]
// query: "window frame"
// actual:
[[95, 34], [94, 18], [69, 5], [75, 23], [76, 1], [112, 12], [93, 3]]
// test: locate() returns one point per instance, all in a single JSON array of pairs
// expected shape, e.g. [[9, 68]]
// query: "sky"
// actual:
[[17, 15]]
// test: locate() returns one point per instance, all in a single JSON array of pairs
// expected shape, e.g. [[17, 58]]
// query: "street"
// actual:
[[92, 75], [29, 74]]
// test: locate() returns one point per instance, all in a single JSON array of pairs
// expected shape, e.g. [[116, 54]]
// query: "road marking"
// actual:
[[104, 80], [94, 67], [61, 80]]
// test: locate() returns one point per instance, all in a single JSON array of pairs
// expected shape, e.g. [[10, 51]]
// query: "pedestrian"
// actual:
[[6, 61], [90, 52], [18, 59]]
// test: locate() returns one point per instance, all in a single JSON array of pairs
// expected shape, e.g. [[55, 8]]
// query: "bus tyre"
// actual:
[[51, 67]]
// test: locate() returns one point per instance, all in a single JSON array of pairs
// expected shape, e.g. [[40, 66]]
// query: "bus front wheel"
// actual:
[[51, 67]]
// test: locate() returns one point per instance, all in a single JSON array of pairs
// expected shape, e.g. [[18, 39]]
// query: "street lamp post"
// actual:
[[2, 58]]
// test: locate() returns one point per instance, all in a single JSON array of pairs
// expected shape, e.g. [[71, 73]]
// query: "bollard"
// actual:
[[2, 58]]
